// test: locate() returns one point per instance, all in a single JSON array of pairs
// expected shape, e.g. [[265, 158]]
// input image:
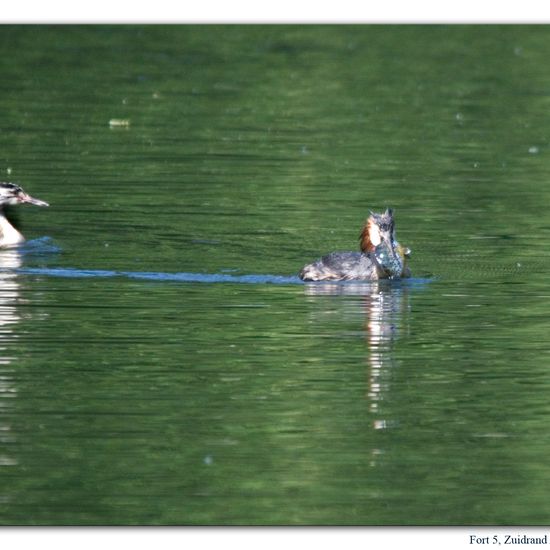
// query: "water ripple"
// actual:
[[159, 276], [187, 277]]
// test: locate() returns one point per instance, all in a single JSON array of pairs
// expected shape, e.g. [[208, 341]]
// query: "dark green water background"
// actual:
[[253, 150]]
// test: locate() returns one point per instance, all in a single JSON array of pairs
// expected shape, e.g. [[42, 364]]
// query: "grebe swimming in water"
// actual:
[[381, 256], [11, 194]]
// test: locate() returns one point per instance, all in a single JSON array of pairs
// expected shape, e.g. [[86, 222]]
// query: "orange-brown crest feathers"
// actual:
[[370, 236]]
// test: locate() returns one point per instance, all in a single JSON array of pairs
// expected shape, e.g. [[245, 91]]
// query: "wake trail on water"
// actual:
[[45, 247], [159, 276], [185, 277]]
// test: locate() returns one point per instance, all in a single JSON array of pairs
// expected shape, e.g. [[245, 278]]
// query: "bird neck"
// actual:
[[9, 236]]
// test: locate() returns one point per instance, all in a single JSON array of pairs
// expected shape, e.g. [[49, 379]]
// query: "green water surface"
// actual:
[[253, 150]]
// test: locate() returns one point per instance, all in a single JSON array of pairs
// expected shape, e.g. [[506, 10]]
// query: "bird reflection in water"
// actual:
[[384, 305], [10, 300], [10, 260]]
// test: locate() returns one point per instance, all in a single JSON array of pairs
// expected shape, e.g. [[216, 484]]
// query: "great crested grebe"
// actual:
[[381, 256], [11, 194]]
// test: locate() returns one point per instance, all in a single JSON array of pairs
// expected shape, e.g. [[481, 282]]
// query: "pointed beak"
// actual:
[[31, 200]]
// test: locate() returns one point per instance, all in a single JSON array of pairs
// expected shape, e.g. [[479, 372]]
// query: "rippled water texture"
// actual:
[[160, 361]]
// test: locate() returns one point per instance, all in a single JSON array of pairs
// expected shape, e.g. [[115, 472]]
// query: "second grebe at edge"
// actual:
[[381, 256], [11, 194]]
